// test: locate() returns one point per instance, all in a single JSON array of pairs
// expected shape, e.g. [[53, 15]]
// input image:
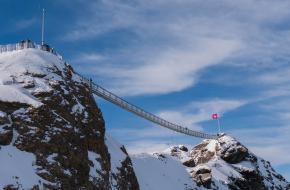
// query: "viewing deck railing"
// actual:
[[27, 45]]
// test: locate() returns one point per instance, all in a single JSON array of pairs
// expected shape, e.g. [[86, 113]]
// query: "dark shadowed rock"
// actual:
[[183, 148], [231, 150], [189, 163]]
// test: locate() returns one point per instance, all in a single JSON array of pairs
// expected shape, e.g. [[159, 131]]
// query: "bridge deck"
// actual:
[[109, 96]]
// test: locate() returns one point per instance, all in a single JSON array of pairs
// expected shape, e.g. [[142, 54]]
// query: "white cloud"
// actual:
[[171, 70], [172, 41], [277, 77]]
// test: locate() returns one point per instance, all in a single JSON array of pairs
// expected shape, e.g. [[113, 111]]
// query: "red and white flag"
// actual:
[[215, 116]]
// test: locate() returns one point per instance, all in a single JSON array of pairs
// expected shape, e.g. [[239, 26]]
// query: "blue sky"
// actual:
[[182, 60]]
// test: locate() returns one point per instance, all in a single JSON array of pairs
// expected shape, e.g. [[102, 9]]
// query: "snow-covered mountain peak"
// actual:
[[27, 73], [219, 164], [29, 60]]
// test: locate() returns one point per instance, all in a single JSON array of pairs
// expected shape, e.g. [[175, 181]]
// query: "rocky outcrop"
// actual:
[[227, 164], [203, 176], [232, 152], [58, 122]]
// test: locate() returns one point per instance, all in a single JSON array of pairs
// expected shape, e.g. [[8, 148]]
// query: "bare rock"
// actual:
[[232, 151], [6, 137], [203, 177], [3, 118], [183, 148], [189, 163], [202, 152]]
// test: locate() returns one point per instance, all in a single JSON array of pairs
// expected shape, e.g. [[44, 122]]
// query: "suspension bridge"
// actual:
[[111, 97]]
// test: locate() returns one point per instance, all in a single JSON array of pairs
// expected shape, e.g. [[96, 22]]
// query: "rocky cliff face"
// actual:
[[227, 164], [52, 134]]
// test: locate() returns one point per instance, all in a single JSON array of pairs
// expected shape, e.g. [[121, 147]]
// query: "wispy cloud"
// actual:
[[196, 112], [172, 41], [169, 70], [89, 58], [270, 143], [275, 77]]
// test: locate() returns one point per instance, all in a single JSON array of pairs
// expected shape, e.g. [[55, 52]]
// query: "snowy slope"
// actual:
[[14, 67], [22, 172], [155, 172], [117, 155]]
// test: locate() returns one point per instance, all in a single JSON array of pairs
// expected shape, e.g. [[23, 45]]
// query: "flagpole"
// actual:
[[219, 125]]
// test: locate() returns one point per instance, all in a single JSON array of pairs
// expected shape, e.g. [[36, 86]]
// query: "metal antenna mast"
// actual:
[[42, 27]]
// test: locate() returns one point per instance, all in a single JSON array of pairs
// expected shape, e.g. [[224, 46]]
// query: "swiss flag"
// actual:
[[215, 116]]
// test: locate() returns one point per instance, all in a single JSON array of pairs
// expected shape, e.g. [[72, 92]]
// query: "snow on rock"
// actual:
[[3, 114], [233, 166], [78, 108], [51, 158], [121, 166], [26, 73], [232, 151], [178, 151], [93, 157], [16, 94]]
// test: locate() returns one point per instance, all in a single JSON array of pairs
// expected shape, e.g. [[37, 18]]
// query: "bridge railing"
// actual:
[[98, 90], [109, 96]]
